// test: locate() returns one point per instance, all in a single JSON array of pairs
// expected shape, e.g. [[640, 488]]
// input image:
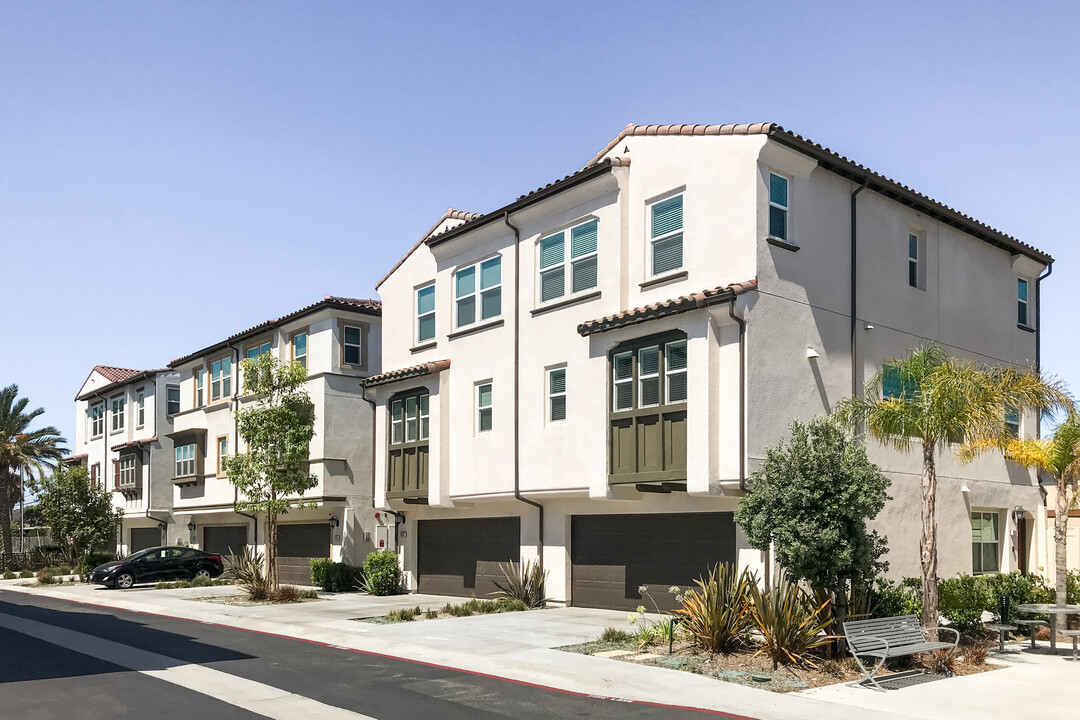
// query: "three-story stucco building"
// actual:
[[589, 375]]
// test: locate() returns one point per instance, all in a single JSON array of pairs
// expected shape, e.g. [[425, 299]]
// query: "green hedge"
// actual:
[[91, 561], [336, 577], [382, 574]]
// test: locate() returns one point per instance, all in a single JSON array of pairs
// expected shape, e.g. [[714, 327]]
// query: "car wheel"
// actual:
[[125, 580], [202, 573]]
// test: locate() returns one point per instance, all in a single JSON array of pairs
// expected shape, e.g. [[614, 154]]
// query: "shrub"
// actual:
[[717, 614], [340, 577], [44, 577], [1018, 587], [247, 568], [524, 582], [284, 594], [403, 615], [889, 599], [26, 574], [976, 654], [309, 594], [1072, 587], [9, 575], [382, 574], [91, 560], [477, 606], [962, 600], [318, 571], [432, 614], [790, 623], [614, 635]]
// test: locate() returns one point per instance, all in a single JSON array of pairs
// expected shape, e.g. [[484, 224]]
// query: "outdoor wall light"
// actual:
[[191, 526], [870, 327], [1018, 513], [334, 522], [811, 354]]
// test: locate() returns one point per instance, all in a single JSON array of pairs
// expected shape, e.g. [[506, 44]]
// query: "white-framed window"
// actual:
[[425, 313], [556, 392], [97, 419], [95, 473], [127, 471], [479, 284], [666, 234], [220, 378], [1012, 421], [985, 543], [410, 419], [351, 344], [675, 372], [623, 381], [260, 349], [1022, 315], [657, 373], [172, 399], [117, 403], [397, 422], [222, 454], [576, 259], [185, 460], [200, 381], [649, 376], [778, 206], [299, 348], [140, 407], [913, 260], [484, 407]]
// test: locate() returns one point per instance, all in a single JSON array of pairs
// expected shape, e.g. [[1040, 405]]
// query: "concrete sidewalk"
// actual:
[[520, 647]]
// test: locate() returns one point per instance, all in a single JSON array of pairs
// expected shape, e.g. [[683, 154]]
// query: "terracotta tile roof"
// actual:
[[134, 443], [413, 371], [126, 377], [370, 307], [665, 308], [846, 168], [450, 214], [74, 458], [116, 374]]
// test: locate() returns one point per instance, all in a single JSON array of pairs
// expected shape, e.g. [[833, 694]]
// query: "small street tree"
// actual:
[[22, 450], [811, 500], [928, 399], [79, 514], [273, 476], [1059, 456]]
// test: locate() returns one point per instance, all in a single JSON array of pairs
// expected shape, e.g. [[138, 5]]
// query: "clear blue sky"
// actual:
[[174, 172]]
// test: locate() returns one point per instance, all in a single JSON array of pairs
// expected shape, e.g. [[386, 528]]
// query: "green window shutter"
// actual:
[[551, 251], [583, 239], [667, 216], [667, 254], [465, 281], [778, 189], [552, 284], [490, 273], [584, 272]]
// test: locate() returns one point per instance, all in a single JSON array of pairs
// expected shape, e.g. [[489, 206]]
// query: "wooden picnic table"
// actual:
[[1053, 610]]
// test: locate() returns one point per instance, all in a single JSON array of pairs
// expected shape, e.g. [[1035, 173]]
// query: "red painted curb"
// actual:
[[523, 683]]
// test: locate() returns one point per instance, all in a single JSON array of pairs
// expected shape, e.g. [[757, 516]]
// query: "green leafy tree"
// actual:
[[811, 500], [273, 475], [79, 514], [1059, 456], [22, 450], [933, 398]]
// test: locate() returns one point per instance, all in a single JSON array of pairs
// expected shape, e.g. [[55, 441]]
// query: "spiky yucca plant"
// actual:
[[790, 622], [524, 582], [717, 614], [247, 568]]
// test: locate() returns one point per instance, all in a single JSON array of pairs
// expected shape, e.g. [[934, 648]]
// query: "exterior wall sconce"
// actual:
[[334, 522], [870, 327], [811, 354], [191, 526], [965, 489]]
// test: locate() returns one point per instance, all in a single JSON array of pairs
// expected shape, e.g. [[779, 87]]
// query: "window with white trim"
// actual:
[[117, 404], [675, 372], [558, 259], [260, 349], [660, 376], [425, 313], [351, 344], [126, 477], [1012, 421], [140, 407], [222, 454], [97, 419], [185, 460], [483, 407], [1022, 315], [778, 206], [913, 260], [556, 392], [409, 419], [172, 399], [666, 235], [479, 284], [200, 380], [299, 348], [985, 543], [95, 473], [220, 378]]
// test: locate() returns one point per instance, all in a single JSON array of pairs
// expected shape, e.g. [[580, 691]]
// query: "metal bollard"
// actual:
[[1003, 609]]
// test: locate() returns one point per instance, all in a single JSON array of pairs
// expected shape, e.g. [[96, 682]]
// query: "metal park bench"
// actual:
[[890, 637]]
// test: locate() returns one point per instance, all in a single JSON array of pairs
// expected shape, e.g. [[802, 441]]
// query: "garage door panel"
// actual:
[[462, 557], [613, 555], [142, 538], [225, 540], [297, 545]]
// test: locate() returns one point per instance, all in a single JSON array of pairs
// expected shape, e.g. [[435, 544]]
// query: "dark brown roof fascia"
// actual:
[[570, 181]]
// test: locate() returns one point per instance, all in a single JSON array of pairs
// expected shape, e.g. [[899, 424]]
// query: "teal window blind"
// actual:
[[425, 313], [666, 232], [649, 376], [582, 261], [778, 206], [484, 400], [675, 371], [557, 394], [667, 216], [1022, 302], [622, 372]]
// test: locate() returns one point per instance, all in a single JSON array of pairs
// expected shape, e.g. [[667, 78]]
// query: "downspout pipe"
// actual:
[[236, 442], [854, 288], [150, 470], [397, 516], [517, 392], [1038, 333], [742, 393]]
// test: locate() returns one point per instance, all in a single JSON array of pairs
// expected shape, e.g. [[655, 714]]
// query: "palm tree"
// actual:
[[1058, 455], [21, 449], [930, 399]]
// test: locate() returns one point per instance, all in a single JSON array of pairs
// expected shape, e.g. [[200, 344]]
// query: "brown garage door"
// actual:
[[142, 538], [297, 545], [225, 540], [461, 557], [612, 555]]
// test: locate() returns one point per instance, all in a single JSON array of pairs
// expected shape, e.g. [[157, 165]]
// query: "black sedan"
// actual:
[[157, 564]]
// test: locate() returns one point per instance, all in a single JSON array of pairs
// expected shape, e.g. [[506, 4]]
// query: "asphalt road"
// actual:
[[61, 659]]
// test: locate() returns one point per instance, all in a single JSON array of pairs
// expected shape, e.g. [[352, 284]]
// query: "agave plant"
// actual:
[[247, 568], [717, 614], [524, 582], [791, 623]]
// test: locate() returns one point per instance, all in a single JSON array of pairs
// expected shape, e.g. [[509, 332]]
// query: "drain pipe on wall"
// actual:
[[742, 393], [236, 442], [397, 516], [854, 288], [1038, 336], [517, 393]]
